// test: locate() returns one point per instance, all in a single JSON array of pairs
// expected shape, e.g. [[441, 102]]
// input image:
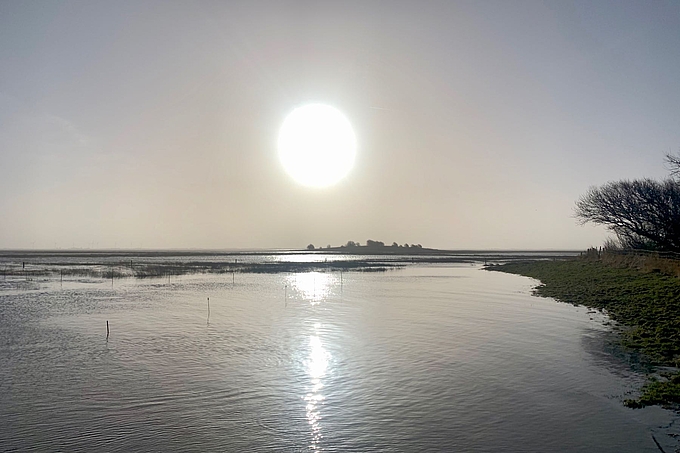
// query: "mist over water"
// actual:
[[424, 358]]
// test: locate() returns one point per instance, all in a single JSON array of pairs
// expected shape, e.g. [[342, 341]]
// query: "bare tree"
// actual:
[[642, 213], [673, 165]]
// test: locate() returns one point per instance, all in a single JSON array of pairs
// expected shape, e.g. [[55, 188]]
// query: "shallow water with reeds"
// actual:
[[444, 357]]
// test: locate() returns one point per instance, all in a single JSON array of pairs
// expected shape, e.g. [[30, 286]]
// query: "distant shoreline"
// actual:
[[360, 250], [162, 263]]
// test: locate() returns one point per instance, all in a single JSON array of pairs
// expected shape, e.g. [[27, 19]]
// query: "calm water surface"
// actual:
[[425, 358]]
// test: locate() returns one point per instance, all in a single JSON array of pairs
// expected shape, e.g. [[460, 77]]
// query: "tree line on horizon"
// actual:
[[643, 214], [369, 243]]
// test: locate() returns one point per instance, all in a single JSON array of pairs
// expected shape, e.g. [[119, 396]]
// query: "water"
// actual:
[[425, 358]]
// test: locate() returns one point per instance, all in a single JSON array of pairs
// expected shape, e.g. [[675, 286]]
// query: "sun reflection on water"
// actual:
[[317, 367], [313, 286]]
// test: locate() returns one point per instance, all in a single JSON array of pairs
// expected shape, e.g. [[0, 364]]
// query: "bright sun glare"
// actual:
[[317, 145]]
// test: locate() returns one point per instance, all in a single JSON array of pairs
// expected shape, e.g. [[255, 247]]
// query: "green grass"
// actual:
[[664, 392], [645, 305]]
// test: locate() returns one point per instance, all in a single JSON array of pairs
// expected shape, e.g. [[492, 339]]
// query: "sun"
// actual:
[[317, 145]]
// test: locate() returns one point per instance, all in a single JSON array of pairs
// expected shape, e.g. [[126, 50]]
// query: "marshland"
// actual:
[[639, 292], [274, 351], [183, 186]]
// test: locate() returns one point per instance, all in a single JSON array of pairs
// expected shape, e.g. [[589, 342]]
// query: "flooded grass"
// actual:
[[153, 270], [644, 304]]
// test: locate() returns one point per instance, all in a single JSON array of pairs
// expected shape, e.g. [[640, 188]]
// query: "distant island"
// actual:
[[372, 247]]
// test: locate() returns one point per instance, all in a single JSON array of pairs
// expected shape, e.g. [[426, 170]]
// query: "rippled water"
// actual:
[[436, 358]]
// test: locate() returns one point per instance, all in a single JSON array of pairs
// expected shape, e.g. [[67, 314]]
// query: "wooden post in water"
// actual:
[[107, 329]]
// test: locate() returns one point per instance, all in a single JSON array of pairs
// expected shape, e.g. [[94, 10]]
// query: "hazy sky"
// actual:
[[154, 124]]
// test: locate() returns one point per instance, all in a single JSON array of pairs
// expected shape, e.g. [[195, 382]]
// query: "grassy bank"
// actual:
[[645, 305]]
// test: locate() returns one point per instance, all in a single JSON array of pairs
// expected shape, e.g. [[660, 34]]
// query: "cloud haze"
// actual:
[[154, 124]]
